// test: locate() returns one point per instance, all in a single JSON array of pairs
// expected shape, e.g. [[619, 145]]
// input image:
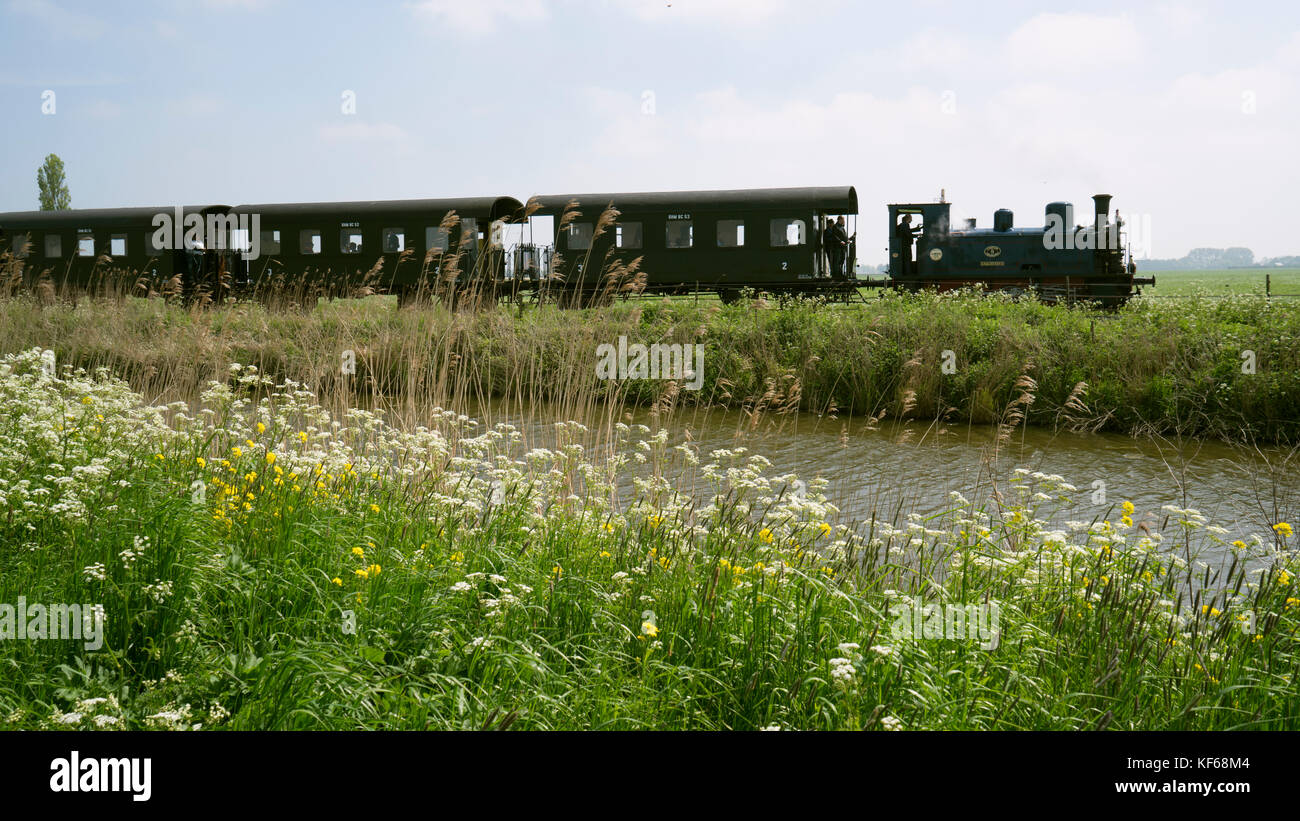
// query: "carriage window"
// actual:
[[53, 246], [394, 240], [85, 245], [309, 241], [627, 235], [435, 237], [731, 233], [270, 242], [679, 234], [469, 231], [150, 249], [350, 241], [579, 236], [19, 245], [788, 232], [117, 245], [240, 240]]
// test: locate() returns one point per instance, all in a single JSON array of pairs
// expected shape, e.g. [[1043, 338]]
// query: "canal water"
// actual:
[[890, 470]]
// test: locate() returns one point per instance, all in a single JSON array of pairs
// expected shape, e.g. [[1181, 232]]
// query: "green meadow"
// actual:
[[1281, 281]]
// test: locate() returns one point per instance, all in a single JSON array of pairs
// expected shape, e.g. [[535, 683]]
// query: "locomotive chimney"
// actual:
[[1100, 208]]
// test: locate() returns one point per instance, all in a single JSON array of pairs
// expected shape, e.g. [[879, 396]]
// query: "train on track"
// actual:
[[577, 249]]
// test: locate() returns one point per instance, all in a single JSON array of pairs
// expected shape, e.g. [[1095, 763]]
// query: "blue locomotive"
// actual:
[[1060, 261]]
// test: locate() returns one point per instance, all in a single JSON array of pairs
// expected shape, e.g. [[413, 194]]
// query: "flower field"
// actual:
[[262, 563]]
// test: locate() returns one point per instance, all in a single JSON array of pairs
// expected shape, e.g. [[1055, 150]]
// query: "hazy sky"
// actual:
[[1188, 112]]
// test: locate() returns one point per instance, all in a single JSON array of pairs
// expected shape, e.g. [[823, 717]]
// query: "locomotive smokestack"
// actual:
[[1100, 209]]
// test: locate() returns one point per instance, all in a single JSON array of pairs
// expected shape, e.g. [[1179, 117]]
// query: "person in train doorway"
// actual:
[[828, 245], [840, 248], [906, 234]]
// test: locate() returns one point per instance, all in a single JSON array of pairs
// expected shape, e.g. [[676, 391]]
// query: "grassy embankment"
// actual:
[[1157, 366], [262, 564]]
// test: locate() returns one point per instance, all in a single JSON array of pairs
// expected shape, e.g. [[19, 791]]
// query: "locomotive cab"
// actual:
[[918, 234]]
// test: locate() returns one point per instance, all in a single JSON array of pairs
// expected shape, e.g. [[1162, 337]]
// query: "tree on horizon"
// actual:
[[53, 185]]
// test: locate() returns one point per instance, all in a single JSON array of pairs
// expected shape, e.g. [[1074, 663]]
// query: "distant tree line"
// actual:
[[1217, 258]]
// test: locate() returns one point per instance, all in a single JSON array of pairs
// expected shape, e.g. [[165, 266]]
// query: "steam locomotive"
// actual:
[[1059, 262]]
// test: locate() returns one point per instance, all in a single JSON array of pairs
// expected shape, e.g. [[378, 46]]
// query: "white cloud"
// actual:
[[479, 16], [1077, 41], [733, 12]]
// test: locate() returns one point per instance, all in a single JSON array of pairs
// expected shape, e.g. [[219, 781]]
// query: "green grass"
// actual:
[[1236, 281], [262, 567], [1158, 366]]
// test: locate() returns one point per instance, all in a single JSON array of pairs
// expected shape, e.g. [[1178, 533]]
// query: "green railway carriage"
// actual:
[[721, 241], [85, 248], [335, 244]]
